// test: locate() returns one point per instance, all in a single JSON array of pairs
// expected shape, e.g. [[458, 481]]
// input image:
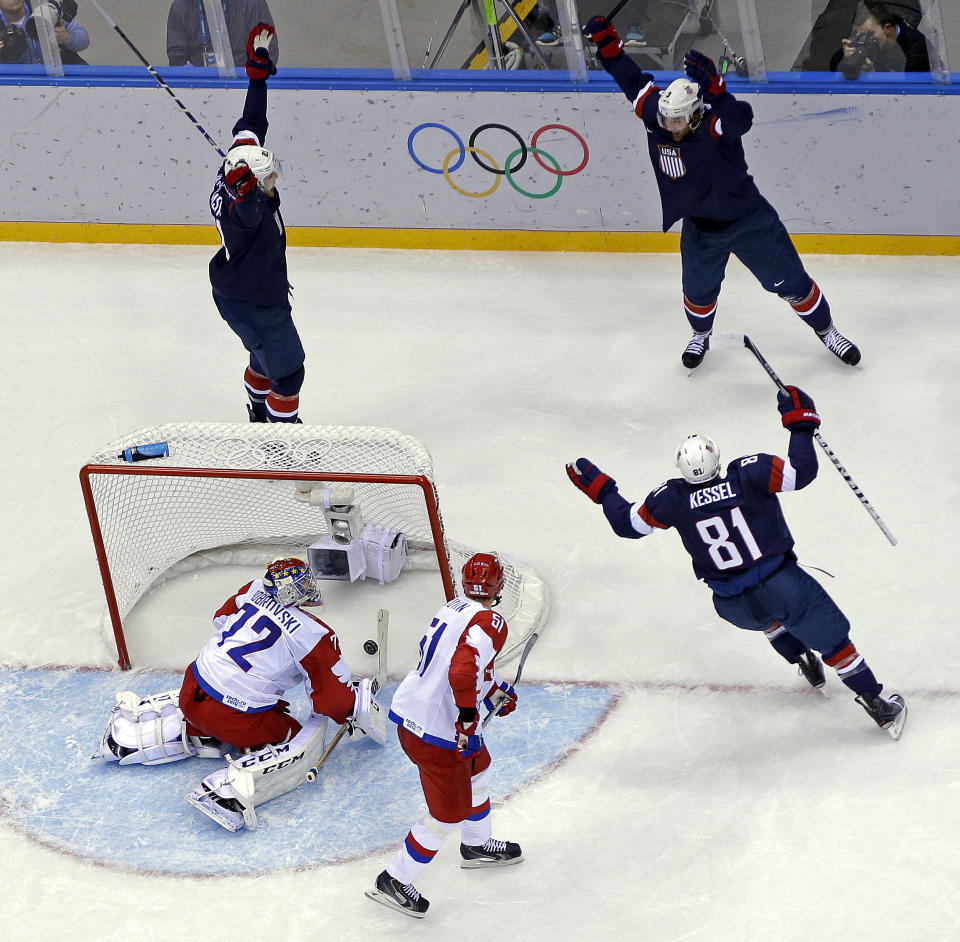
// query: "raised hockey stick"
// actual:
[[156, 75], [611, 14], [751, 346], [527, 648]]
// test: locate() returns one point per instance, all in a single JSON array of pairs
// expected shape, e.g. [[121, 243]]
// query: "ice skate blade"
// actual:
[[895, 729], [387, 901], [212, 810], [480, 864]]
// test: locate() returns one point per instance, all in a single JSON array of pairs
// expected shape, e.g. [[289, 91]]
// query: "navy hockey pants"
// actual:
[[797, 601], [269, 335], [760, 240]]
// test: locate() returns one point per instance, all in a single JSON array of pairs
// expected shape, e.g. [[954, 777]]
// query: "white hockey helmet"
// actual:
[[698, 459], [680, 99], [262, 162]]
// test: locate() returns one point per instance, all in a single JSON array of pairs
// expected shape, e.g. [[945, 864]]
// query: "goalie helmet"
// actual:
[[483, 577], [291, 582], [680, 99], [262, 162], [698, 459]]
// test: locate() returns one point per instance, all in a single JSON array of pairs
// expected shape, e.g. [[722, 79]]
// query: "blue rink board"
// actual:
[[135, 818]]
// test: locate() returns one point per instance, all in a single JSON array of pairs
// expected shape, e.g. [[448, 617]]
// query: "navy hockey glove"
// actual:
[[259, 65], [468, 742], [501, 699], [588, 478], [241, 180], [798, 411], [701, 69], [601, 31]]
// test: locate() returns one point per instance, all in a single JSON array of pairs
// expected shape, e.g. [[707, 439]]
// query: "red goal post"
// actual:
[[231, 492]]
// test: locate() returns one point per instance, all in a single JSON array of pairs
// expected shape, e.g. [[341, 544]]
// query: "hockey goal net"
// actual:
[[234, 493]]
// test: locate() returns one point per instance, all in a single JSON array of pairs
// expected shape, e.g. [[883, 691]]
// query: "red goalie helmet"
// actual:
[[290, 581], [482, 577]]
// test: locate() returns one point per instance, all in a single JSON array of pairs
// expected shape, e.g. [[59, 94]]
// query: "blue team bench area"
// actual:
[[135, 818], [459, 80]]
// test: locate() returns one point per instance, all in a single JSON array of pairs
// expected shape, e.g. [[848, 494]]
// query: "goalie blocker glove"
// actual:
[[797, 410], [587, 477]]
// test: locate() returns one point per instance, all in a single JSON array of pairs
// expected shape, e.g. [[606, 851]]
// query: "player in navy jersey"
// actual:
[[249, 273], [733, 528], [694, 130]]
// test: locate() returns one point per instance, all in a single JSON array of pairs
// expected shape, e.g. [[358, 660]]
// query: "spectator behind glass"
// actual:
[[188, 33], [883, 42], [18, 36]]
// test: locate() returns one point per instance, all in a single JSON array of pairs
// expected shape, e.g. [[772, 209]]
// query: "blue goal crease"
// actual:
[[135, 818]]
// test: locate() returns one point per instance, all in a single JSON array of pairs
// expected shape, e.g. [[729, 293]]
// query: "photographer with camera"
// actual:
[[18, 31], [882, 42]]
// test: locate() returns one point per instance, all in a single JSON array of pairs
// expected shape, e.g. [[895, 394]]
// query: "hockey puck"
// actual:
[[370, 646]]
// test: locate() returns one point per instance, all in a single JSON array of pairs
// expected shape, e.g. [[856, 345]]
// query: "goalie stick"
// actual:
[[527, 648], [383, 622], [751, 346]]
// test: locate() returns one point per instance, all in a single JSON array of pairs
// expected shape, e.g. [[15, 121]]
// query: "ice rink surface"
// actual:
[[719, 798]]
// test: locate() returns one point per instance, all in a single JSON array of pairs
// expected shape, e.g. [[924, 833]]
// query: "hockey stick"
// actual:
[[608, 17], [383, 621], [527, 648], [749, 344], [156, 75], [312, 774]]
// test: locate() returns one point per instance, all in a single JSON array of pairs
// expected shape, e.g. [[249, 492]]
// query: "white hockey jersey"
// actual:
[[425, 703], [264, 649]]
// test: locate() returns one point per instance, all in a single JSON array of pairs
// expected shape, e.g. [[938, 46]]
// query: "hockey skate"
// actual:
[[491, 854], [227, 812], [811, 669], [889, 714], [838, 345], [696, 350], [405, 899]]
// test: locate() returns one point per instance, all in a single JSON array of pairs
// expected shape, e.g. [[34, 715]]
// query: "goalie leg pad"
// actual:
[[266, 774], [149, 731]]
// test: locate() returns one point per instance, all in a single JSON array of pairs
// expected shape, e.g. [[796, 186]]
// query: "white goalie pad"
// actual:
[[229, 796], [368, 716], [149, 731]]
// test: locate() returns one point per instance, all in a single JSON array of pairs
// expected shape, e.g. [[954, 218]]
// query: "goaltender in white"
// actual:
[[266, 644]]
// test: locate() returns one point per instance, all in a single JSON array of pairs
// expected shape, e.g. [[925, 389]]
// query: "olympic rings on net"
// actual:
[[461, 150]]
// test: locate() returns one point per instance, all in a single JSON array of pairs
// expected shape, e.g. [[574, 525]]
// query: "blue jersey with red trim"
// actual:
[[732, 526], [704, 177]]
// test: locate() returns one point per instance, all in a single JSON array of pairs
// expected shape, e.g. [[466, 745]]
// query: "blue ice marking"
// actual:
[[135, 819]]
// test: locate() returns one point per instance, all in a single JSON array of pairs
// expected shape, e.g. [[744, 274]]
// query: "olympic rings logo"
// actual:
[[485, 161]]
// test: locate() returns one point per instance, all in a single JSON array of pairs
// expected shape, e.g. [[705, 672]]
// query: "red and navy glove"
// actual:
[[469, 742], [588, 478], [701, 69], [601, 31], [241, 179], [259, 65], [798, 411], [501, 699]]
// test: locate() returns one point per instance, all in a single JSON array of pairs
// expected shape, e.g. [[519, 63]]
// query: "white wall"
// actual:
[[830, 163]]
